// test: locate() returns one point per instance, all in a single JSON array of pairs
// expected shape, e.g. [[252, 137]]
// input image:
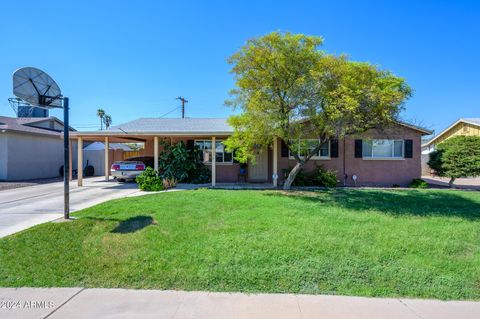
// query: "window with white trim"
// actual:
[[221, 155], [306, 146], [383, 149]]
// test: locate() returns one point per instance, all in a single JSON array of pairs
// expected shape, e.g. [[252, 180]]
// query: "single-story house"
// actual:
[[387, 157], [30, 147]]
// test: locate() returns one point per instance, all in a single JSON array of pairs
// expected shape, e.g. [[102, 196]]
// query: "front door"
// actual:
[[258, 172]]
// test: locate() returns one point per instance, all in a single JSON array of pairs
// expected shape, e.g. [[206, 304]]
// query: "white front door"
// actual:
[[259, 170]]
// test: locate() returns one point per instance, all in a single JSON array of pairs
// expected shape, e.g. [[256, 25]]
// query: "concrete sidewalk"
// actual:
[[123, 303]]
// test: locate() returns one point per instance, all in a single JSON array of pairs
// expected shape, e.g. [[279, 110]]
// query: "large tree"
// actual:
[[287, 88], [457, 157]]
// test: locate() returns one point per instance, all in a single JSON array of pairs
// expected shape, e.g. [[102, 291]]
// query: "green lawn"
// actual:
[[416, 243]]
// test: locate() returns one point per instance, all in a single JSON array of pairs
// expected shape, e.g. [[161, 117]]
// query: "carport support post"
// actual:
[[155, 153], [80, 160], [107, 151], [214, 161], [275, 162]]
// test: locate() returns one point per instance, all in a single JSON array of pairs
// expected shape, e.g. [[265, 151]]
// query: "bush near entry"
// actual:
[[320, 177], [418, 183], [149, 180]]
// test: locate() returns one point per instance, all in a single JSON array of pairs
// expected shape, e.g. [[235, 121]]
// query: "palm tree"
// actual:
[[101, 114], [107, 119]]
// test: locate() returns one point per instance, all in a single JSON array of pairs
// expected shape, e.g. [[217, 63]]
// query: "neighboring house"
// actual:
[[387, 157], [461, 127], [30, 147]]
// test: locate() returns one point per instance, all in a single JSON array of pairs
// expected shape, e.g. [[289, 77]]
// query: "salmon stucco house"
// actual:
[[383, 158]]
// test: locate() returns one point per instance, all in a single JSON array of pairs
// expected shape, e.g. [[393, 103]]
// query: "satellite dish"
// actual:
[[37, 88]]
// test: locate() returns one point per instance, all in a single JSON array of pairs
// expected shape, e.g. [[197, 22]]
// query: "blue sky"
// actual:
[[133, 58]]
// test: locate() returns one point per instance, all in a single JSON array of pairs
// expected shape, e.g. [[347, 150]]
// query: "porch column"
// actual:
[[275, 162], [80, 161], [155, 153], [107, 152], [214, 162]]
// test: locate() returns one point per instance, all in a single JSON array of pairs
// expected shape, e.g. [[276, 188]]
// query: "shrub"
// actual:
[[457, 157], [149, 180], [320, 177], [181, 164], [323, 177], [169, 183], [418, 183]]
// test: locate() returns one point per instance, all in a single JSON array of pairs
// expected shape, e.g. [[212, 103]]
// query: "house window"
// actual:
[[221, 155], [382, 149], [307, 146]]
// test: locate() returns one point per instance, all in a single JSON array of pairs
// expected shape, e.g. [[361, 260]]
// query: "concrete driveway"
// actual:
[[25, 207], [460, 183]]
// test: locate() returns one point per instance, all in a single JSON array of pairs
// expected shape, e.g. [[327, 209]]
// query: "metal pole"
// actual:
[[66, 160], [183, 105]]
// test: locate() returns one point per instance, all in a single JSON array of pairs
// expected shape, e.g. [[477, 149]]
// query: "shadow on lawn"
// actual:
[[409, 202], [133, 224]]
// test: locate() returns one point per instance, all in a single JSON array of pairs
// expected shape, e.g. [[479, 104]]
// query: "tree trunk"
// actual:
[[291, 177], [450, 183]]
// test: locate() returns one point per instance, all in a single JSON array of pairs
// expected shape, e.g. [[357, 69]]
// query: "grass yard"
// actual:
[[415, 243]]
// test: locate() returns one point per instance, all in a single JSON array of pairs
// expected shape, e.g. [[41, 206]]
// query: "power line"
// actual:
[[176, 108]]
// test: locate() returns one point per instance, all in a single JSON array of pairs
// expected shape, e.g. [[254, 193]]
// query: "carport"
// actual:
[[150, 132], [151, 148], [207, 133]]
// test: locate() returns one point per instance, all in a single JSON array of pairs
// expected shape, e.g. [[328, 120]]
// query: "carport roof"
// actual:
[[173, 125], [167, 126]]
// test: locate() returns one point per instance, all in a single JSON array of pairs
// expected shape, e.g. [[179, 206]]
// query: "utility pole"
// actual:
[[183, 105]]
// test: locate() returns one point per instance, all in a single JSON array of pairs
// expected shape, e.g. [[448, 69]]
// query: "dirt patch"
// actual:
[[12, 185], [33, 182]]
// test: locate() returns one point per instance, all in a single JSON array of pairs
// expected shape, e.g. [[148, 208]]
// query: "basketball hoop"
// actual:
[[36, 88]]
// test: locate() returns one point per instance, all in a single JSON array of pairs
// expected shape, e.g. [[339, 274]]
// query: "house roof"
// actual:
[[21, 125], [186, 126], [35, 120], [29, 120], [416, 127], [472, 120], [469, 120]]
